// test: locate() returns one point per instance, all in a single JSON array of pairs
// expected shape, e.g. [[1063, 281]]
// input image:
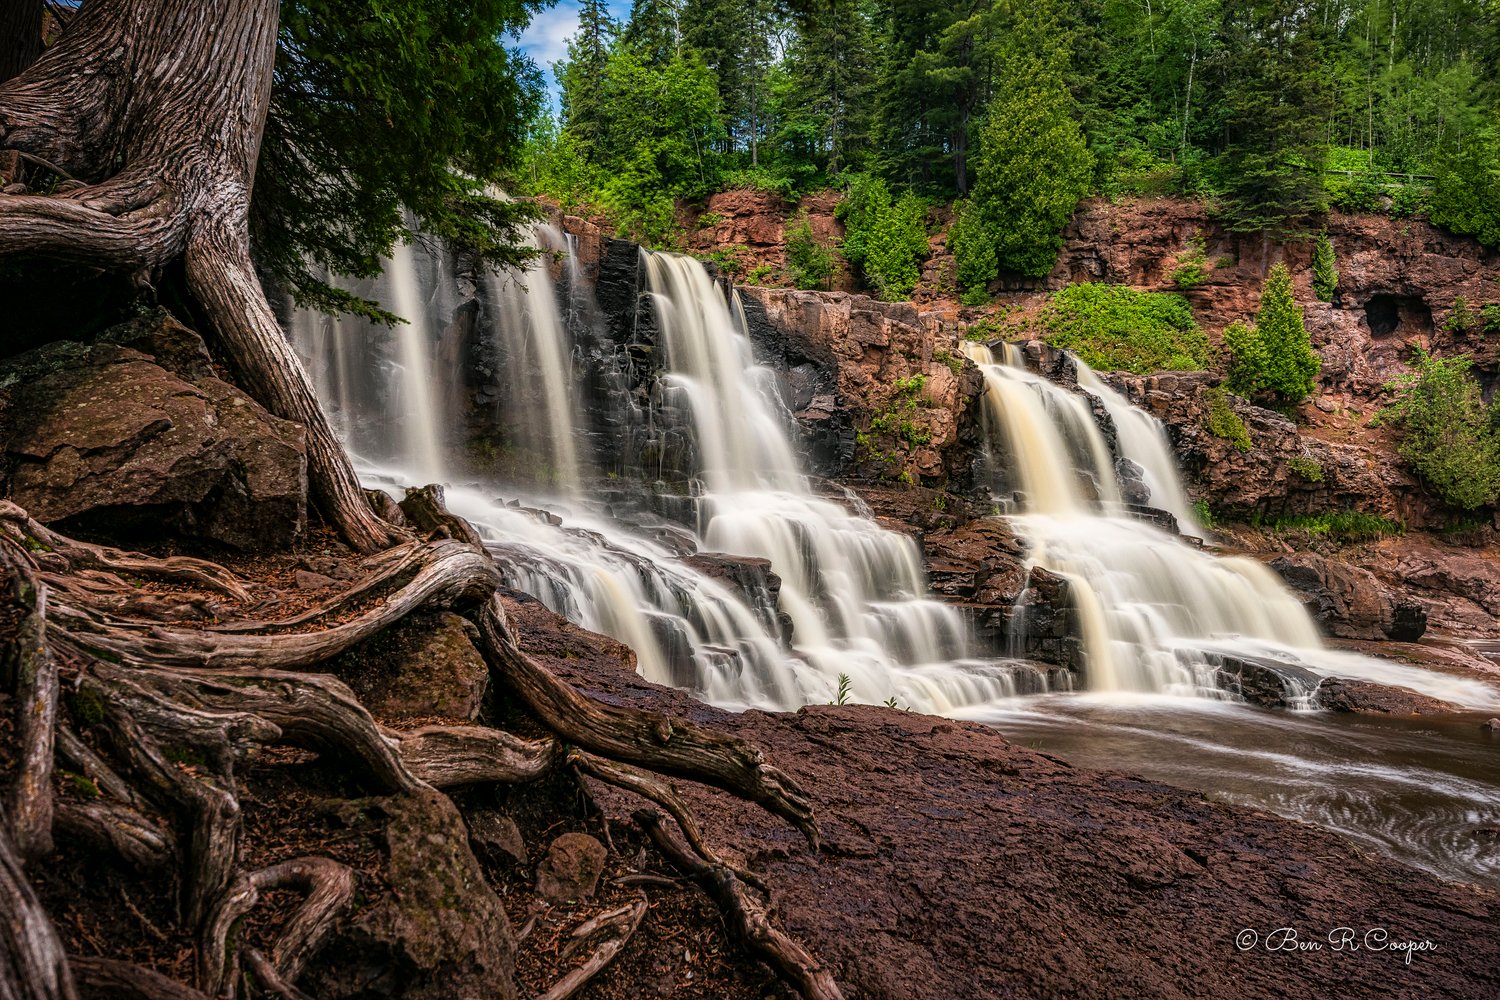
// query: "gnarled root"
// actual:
[[793, 962], [109, 979], [451, 756], [647, 739], [35, 681], [32, 963], [328, 888]]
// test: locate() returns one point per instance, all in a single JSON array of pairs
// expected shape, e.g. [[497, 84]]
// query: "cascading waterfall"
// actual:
[[855, 593], [1156, 615]]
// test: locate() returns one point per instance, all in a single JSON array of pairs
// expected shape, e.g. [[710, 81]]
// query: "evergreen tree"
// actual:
[[581, 77], [1276, 103], [1448, 432], [1325, 268], [1033, 168], [653, 32], [1466, 197], [1276, 355], [829, 76]]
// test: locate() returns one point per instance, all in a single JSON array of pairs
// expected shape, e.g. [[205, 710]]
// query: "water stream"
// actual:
[[690, 593]]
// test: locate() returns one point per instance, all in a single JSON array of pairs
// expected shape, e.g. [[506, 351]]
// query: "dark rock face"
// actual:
[[1349, 602], [105, 436], [1338, 694], [425, 666], [571, 868], [1264, 682], [439, 933]]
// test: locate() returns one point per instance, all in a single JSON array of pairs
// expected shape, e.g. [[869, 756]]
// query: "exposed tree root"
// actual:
[[451, 756], [32, 963], [329, 888], [663, 794], [108, 979], [788, 957], [653, 741], [35, 683], [620, 924]]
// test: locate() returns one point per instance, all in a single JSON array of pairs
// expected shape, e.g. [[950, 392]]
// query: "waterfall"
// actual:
[[855, 592], [1155, 614], [418, 415]]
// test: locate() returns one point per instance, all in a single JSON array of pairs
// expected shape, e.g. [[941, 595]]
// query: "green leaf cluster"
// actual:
[[1325, 278], [1275, 356], [885, 239], [1448, 432], [809, 262]]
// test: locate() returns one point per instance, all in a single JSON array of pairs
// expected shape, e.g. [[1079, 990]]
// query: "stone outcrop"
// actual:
[[134, 432], [1349, 602], [424, 667], [1339, 694]]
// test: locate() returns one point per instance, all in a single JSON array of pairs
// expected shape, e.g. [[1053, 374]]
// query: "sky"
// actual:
[[545, 40]]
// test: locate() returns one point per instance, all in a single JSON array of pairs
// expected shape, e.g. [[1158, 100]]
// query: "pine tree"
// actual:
[[1325, 268], [829, 73], [654, 31], [1276, 355], [1032, 170], [582, 78]]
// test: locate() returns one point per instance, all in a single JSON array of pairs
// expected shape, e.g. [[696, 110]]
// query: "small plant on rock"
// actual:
[[1325, 269]]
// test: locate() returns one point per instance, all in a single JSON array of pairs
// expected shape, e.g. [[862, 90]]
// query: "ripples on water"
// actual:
[[1423, 790]]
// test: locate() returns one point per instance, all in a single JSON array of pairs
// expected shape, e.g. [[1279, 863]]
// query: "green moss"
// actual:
[[1306, 467], [183, 755], [87, 708], [80, 785], [1222, 422]]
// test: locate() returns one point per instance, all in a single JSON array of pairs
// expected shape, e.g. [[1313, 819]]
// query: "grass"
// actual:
[[1116, 328], [1222, 422], [1343, 526]]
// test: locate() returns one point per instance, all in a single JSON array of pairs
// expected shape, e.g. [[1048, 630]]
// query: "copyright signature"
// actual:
[[1340, 939]]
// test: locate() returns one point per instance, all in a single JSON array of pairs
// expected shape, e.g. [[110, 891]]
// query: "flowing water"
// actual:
[[688, 594]]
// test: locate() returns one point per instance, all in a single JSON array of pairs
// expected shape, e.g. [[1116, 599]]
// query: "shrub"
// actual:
[[1462, 318], [1222, 422], [1448, 435], [885, 239], [809, 261], [1192, 264], [1325, 269], [1306, 467], [1466, 196], [1275, 355], [1115, 328]]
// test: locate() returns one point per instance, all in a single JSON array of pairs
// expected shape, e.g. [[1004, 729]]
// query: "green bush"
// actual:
[[1276, 354], [1466, 197], [1306, 467], [1448, 433], [885, 239], [1192, 267], [1325, 269], [810, 263], [1222, 422], [1116, 328]]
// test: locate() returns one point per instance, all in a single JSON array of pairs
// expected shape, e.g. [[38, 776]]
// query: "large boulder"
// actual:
[[437, 931], [1348, 601], [105, 435], [426, 666]]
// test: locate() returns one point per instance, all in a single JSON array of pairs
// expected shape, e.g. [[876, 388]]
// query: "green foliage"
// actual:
[[1341, 526], [1466, 196], [1033, 168], [1306, 467], [1462, 318], [1448, 432], [885, 239], [1192, 267], [380, 108], [1325, 268], [1222, 422], [810, 262], [845, 690], [1275, 355], [1204, 514], [1116, 328]]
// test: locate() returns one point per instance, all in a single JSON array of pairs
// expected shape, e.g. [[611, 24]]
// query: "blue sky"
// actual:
[[546, 38]]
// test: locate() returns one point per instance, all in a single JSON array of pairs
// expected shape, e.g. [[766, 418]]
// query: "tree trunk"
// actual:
[[20, 35], [159, 106]]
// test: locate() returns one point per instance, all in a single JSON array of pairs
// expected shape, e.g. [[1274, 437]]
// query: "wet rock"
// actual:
[[425, 666], [105, 437], [1340, 694], [438, 932], [1265, 682], [1493, 725], [1348, 601], [571, 868], [494, 834]]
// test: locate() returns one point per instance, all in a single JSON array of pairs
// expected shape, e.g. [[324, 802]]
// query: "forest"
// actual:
[[1274, 111]]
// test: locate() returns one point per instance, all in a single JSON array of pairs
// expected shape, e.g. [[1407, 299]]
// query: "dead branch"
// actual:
[[623, 922], [793, 962]]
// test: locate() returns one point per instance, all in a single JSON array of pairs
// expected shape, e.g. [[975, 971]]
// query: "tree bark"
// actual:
[[20, 35], [159, 106], [32, 963]]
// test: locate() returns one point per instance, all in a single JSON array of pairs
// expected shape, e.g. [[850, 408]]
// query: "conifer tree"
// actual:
[[582, 77], [1325, 268]]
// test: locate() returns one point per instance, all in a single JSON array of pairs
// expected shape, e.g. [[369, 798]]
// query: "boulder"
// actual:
[[438, 932], [1340, 694], [425, 666], [1349, 602], [495, 835], [571, 868], [1265, 682], [107, 437]]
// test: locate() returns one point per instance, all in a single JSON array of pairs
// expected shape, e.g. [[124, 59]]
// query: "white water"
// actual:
[[1156, 615]]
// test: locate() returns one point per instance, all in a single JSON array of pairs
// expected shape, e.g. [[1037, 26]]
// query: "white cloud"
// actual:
[[545, 40]]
